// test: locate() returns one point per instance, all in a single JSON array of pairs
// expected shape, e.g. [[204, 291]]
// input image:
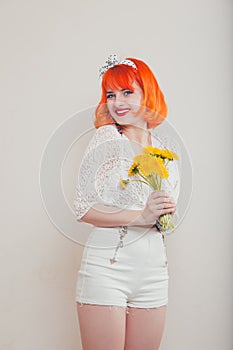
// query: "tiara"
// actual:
[[111, 61]]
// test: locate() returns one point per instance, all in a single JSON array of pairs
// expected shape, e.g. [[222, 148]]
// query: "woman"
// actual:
[[122, 286]]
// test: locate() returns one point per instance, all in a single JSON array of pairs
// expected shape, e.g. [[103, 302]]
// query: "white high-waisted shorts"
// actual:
[[139, 278]]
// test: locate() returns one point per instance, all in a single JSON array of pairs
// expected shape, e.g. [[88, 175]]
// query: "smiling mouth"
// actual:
[[122, 112]]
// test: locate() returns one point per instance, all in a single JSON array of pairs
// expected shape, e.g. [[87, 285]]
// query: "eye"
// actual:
[[127, 92], [110, 95]]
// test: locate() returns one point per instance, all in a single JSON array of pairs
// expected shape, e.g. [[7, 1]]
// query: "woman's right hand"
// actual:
[[158, 203]]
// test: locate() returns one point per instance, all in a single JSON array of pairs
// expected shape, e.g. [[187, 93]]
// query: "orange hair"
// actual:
[[123, 76]]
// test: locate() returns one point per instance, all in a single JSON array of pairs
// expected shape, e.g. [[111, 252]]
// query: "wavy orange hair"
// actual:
[[123, 76]]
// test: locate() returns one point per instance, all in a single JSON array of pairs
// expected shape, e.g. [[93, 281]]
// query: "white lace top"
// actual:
[[107, 158]]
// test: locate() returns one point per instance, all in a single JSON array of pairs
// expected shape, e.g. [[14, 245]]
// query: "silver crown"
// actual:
[[111, 61]]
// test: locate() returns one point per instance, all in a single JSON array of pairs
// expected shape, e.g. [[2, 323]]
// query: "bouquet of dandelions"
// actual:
[[151, 166]]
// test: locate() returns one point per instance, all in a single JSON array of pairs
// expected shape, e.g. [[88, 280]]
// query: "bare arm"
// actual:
[[158, 203], [107, 216]]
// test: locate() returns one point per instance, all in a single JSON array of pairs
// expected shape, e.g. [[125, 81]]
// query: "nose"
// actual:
[[119, 99]]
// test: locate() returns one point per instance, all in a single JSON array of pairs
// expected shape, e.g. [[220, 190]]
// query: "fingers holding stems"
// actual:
[[158, 203]]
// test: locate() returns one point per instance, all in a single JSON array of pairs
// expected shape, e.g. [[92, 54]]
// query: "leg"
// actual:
[[144, 328], [101, 327]]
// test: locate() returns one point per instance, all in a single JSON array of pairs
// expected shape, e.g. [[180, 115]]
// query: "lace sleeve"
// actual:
[[96, 170]]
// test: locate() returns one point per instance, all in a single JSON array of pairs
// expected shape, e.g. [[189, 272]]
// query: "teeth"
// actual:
[[122, 111]]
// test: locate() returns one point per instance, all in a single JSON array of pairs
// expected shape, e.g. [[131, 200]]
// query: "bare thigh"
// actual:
[[101, 327], [144, 328]]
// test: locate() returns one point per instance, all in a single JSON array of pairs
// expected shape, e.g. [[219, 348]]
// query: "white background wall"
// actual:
[[50, 55]]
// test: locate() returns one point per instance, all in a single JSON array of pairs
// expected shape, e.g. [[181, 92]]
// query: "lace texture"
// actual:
[[108, 157]]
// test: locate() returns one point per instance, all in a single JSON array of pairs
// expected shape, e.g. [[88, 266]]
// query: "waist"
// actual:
[[110, 236], [131, 229]]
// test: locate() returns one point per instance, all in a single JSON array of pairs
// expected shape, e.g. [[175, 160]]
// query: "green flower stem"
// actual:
[[166, 221], [139, 181], [153, 181], [146, 179], [158, 181]]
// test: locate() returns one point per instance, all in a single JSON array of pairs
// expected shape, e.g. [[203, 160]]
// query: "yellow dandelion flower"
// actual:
[[175, 156], [165, 153], [123, 183], [143, 164], [140, 159], [151, 150], [151, 165], [148, 165], [163, 170], [133, 170]]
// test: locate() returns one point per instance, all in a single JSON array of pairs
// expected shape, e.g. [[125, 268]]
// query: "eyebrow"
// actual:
[[120, 90]]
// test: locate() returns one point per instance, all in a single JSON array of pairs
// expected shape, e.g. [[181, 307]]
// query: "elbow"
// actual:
[[79, 219], [85, 220], [87, 217]]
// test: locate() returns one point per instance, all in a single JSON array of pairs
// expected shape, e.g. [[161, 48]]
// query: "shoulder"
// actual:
[[103, 134], [103, 137], [107, 133]]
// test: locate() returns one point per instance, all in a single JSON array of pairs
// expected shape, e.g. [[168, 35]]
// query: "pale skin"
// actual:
[[104, 327]]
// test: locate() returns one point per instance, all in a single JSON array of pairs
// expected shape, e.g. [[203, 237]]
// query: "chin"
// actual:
[[124, 120]]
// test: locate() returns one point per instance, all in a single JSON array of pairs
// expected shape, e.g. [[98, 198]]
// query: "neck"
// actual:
[[139, 135]]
